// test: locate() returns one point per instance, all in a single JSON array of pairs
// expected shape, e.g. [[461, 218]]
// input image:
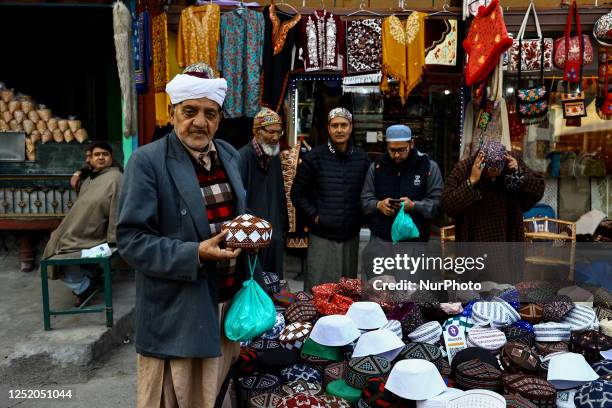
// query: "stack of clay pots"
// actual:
[[19, 113]]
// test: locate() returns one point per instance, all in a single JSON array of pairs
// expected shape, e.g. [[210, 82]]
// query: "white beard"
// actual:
[[270, 150]]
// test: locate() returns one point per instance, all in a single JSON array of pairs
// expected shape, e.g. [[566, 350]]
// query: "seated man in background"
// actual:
[[92, 220]]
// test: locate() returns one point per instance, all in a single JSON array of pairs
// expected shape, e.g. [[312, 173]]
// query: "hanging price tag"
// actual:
[[454, 339]]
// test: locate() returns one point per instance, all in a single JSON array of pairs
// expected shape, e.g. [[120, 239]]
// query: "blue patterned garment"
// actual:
[[301, 372], [240, 59], [596, 394]]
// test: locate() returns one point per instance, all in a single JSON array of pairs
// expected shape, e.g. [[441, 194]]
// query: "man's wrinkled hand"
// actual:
[[209, 250], [385, 207]]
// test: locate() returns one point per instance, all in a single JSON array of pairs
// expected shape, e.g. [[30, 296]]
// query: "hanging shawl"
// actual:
[[363, 46], [161, 70], [122, 27], [441, 44], [142, 50], [322, 42], [403, 52], [198, 35]]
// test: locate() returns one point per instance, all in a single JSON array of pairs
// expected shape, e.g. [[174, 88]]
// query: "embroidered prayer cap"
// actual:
[[519, 358], [415, 380], [378, 342], [523, 324], [248, 232], [334, 330], [333, 401], [266, 400], [497, 313], [486, 338], [340, 388], [516, 401], [412, 320], [275, 360], [301, 386], [495, 154], [334, 371], [569, 370], [590, 343], [301, 312], [395, 327], [555, 309], [301, 371], [398, 133], [351, 288], [581, 318], [197, 81], [264, 344], [516, 335], [367, 315], [314, 349], [603, 367], [429, 332], [276, 330], [440, 400], [294, 335], [475, 398], [551, 331], [301, 400], [531, 312], [302, 296], [422, 351], [535, 389], [272, 281], [546, 348], [266, 117], [473, 353], [602, 30], [340, 113], [258, 384], [362, 368], [474, 374], [246, 361], [374, 395], [596, 394]]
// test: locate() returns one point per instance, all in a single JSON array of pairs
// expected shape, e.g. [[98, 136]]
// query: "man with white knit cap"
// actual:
[[179, 190]]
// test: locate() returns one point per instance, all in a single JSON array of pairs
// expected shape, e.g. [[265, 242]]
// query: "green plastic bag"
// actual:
[[252, 311], [403, 227]]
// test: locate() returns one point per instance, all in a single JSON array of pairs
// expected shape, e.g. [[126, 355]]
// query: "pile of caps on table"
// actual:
[[347, 346]]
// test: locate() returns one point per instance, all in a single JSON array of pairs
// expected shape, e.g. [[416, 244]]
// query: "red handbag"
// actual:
[[604, 97], [485, 43], [571, 53]]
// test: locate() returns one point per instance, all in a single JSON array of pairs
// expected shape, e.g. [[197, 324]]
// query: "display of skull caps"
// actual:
[[367, 315], [248, 232]]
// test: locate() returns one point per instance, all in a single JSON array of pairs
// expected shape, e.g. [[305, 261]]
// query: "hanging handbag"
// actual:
[[532, 103], [530, 53], [604, 96], [572, 52]]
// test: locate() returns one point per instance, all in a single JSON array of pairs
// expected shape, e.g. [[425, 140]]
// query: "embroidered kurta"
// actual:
[[240, 59], [159, 26], [281, 33], [363, 46], [198, 35], [403, 52], [322, 42]]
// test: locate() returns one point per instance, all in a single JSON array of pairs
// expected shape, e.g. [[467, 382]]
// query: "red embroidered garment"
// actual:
[[485, 43]]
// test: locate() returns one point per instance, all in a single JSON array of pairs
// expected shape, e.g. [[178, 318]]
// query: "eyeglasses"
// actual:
[[399, 150], [278, 133]]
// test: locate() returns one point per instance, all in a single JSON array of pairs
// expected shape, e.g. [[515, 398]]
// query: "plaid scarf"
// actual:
[[264, 159]]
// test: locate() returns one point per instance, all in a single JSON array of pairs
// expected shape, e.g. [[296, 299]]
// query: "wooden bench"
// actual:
[[74, 258]]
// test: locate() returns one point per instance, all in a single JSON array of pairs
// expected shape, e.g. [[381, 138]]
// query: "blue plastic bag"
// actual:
[[403, 227], [252, 312]]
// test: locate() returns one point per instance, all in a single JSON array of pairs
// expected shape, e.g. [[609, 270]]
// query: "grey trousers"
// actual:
[[329, 260]]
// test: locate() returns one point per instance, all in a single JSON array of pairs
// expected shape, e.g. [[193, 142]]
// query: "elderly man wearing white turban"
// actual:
[[178, 192]]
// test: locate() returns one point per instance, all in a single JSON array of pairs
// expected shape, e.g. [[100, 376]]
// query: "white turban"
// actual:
[[185, 86]]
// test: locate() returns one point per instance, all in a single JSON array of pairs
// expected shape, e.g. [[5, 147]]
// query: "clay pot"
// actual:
[[68, 136], [3, 106], [7, 116], [33, 116], [58, 136], [27, 106], [62, 124], [41, 126], [30, 149], [52, 124], [14, 106], [74, 124], [4, 127], [81, 135], [46, 136], [45, 114], [28, 126], [7, 95], [35, 136], [19, 116]]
